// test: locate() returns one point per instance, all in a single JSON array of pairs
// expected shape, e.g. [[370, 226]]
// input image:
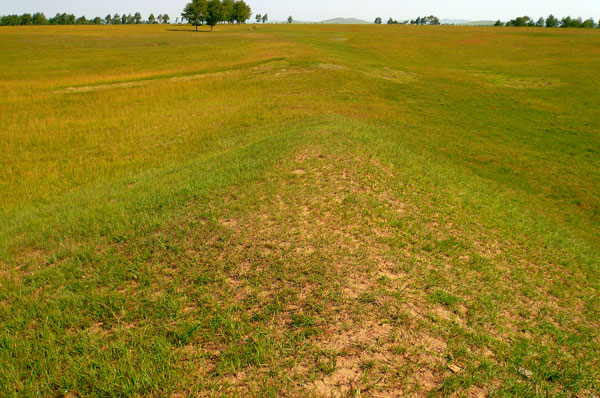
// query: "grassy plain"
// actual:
[[302, 210]]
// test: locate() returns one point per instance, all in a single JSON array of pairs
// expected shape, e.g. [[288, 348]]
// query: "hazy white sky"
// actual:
[[316, 10]]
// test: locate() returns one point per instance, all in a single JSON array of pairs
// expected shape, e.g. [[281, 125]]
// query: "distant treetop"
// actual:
[[430, 20]]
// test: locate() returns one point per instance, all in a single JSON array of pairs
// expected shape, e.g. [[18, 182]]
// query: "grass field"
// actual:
[[299, 210]]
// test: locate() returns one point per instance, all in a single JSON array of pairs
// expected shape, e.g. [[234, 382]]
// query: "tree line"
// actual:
[[69, 19], [430, 20], [212, 12], [551, 22]]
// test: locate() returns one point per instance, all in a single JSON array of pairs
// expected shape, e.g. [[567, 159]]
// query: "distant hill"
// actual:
[[479, 23], [466, 22], [454, 21], [294, 22], [349, 21]]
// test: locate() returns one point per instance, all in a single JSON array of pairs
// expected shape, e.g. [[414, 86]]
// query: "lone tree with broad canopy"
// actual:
[[215, 13], [195, 12], [212, 12]]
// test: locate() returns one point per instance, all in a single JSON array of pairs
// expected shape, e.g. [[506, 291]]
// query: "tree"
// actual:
[[116, 19], [258, 18], [540, 22], [13, 20], [159, 18], [81, 21], [498, 23], [551, 22], [166, 18], [290, 19], [39, 19], [195, 12], [390, 21], [378, 20], [108, 19], [97, 21], [26, 19], [62, 19], [137, 18], [242, 11], [124, 20], [430, 20], [433, 20], [215, 13], [151, 18], [229, 11], [569, 22], [588, 23], [520, 21], [265, 18]]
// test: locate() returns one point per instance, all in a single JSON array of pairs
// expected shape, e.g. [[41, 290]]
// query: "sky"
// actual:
[[317, 10]]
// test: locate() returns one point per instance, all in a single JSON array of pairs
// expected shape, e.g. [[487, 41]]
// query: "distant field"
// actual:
[[299, 210]]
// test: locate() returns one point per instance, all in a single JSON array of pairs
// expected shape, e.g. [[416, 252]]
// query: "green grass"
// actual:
[[303, 210]]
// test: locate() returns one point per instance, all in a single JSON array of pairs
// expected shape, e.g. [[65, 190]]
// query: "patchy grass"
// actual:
[[299, 215]]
